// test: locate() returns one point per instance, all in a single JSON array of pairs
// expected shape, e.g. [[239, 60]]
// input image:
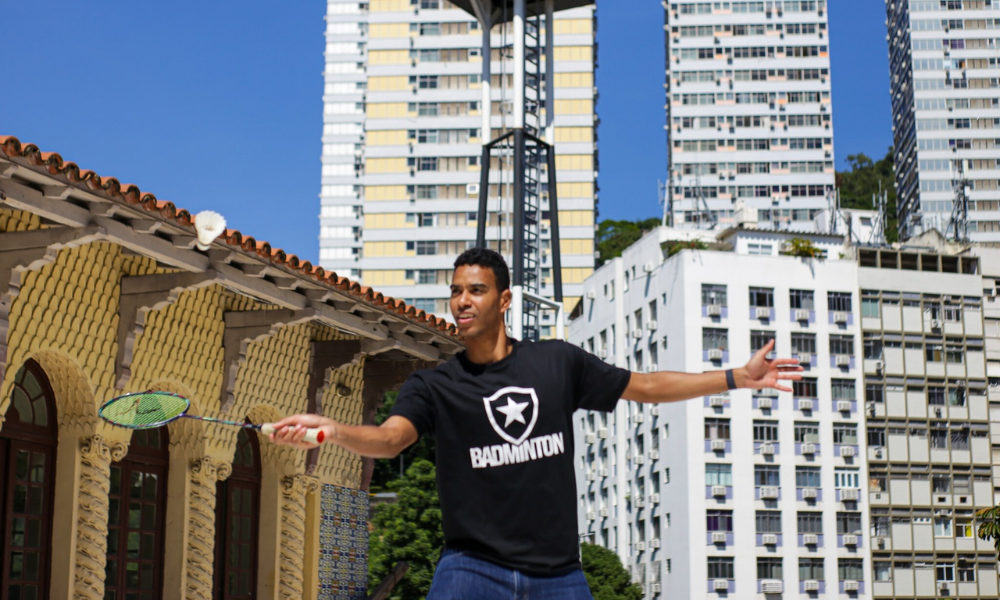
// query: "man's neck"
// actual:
[[488, 348]]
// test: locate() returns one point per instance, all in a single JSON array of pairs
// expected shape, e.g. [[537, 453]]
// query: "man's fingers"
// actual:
[[782, 388]]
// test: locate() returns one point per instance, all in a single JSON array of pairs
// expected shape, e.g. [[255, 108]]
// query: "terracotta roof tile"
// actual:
[[113, 189]]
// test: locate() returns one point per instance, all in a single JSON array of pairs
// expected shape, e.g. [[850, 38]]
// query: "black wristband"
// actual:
[[730, 379]]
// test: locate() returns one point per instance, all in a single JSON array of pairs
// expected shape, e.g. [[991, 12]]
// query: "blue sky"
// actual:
[[219, 104]]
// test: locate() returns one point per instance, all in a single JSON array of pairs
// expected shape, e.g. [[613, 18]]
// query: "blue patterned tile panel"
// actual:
[[343, 539]]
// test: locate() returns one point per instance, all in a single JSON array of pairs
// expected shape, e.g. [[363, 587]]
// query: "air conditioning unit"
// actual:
[[763, 312], [637, 334], [943, 589], [769, 539], [767, 449], [638, 418], [471, 189], [844, 406], [640, 546], [880, 542], [805, 404], [591, 476], [718, 445], [648, 267], [654, 543], [718, 537], [591, 438], [840, 317], [602, 433], [640, 502], [654, 455], [651, 368], [808, 448], [654, 498], [651, 325], [654, 410], [602, 472], [809, 493], [716, 401], [769, 492], [591, 516], [655, 588], [935, 324], [938, 411], [591, 294], [849, 495], [720, 584], [715, 354], [848, 451], [801, 315], [810, 539], [850, 540], [804, 359], [763, 403], [604, 513], [879, 366], [602, 354], [718, 490], [772, 586], [810, 585], [843, 360], [850, 586], [714, 310], [640, 459]]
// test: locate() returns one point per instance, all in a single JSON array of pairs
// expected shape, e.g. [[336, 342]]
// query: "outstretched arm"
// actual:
[[670, 386], [375, 441]]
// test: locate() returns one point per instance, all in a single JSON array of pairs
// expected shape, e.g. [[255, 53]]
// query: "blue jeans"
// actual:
[[462, 577]]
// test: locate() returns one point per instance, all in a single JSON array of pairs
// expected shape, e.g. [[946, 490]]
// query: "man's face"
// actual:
[[476, 303]]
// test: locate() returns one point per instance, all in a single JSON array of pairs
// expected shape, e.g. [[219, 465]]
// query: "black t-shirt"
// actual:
[[504, 442]]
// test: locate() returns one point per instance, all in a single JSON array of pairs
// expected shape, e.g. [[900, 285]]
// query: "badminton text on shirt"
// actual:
[[499, 455]]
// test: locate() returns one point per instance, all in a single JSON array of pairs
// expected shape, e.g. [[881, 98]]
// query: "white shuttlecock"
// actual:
[[209, 225]]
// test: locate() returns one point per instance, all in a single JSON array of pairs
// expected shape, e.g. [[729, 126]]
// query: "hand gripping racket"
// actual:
[[149, 410]]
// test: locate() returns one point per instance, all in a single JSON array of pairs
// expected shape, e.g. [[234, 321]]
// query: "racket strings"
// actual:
[[144, 410]]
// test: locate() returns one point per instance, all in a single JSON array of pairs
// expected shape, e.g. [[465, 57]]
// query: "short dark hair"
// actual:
[[484, 257]]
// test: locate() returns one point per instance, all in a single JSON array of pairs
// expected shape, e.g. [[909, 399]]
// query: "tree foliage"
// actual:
[[606, 576], [614, 236], [858, 185], [388, 469], [803, 248], [410, 530]]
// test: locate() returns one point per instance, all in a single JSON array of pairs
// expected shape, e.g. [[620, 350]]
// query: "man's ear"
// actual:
[[505, 298]]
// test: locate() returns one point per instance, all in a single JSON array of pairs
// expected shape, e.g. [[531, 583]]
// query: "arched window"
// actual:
[[137, 501], [27, 472], [236, 530]]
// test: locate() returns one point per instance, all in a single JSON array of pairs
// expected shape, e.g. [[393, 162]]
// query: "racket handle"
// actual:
[[313, 435]]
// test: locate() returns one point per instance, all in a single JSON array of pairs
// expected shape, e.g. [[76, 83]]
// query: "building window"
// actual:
[[804, 343], [846, 479], [716, 429], [940, 483], [842, 345], [27, 456], [942, 527], [769, 568], [802, 300], [876, 437], [759, 339], [845, 433], [768, 521], [839, 301], [806, 433], [807, 477], [874, 392], [424, 248], [944, 572], [765, 431], [137, 499], [811, 569], [713, 295], [872, 347], [718, 474], [720, 567], [766, 475], [850, 569], [720, 520], [810, 522], [713, 339], [760, 249], [805, 388], [849, 523], [882, 570], [870, 307], [967, 571], [761, 297], [843, 389], [237, 516], [963, 528]]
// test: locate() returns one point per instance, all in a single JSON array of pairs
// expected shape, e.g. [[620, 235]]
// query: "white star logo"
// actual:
[[514, 411]]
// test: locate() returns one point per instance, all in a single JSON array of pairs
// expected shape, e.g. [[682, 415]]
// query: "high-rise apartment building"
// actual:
[[402, 144], [748, 109], [945, 109], [741, 494]]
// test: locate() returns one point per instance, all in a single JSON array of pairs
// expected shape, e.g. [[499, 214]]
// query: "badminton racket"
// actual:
[[149, 410]]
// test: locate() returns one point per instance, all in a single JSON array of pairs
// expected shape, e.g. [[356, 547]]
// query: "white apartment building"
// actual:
[[402, 144], [742, 494], [945, 108], [748, 109]]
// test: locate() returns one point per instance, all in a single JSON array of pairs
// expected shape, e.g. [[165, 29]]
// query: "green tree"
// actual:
[[410, 530], [607, 578], [614, 236], [389, 469], [858, 185]]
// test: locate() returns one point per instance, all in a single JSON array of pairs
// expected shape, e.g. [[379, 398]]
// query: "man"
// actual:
[[501, 413]]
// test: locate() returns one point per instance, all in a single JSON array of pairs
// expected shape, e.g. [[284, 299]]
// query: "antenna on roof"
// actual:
[[959, 223], [663, 196], [880, 201]]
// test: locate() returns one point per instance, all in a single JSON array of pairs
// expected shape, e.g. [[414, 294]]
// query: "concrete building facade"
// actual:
[[748, 110], [945, 108], [402, 142]]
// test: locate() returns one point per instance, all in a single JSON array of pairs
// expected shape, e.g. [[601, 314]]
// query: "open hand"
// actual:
[[762, 372]]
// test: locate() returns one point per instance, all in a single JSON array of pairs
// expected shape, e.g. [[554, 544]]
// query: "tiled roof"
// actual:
[[116, 191]]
